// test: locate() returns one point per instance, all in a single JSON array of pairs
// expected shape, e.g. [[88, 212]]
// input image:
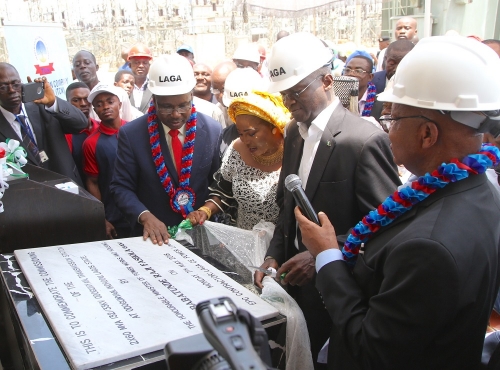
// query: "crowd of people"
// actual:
[[402, 273]]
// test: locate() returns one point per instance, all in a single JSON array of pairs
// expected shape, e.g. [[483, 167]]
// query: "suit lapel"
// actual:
[[146, 97], [294, 144], [325, 149], [199, 151], [8, 132]]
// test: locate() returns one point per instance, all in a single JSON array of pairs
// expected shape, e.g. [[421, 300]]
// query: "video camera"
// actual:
[[236, 340]]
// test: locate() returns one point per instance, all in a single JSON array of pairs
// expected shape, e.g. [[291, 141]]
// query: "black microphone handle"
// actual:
[[305, 206]]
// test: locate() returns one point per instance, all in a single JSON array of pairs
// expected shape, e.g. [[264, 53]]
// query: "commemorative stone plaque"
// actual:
[[112, 300]]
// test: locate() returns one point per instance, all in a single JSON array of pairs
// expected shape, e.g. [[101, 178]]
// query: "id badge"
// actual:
[[43, 156]]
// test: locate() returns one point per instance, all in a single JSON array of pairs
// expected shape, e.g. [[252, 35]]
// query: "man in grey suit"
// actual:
[[39, 126], [344, 162], [139, 58]]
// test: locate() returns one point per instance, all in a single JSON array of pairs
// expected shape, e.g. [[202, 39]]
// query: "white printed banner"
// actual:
[[39, 50]]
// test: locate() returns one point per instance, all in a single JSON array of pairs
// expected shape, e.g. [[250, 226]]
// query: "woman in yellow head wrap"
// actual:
[[251, 165]]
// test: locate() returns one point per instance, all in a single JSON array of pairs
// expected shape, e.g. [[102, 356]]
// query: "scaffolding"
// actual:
[[105, 26]]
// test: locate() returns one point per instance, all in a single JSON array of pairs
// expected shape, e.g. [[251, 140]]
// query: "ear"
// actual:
[[120, 105], [328, 82], [97, 67], [116, 83], [371, 77], [429, 134]]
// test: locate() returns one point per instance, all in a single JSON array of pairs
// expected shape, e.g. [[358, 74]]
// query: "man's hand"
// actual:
[[154, 229], [49, 97], [197, 217], [259, 276], [110, 230], [316, 238], [299, 269]]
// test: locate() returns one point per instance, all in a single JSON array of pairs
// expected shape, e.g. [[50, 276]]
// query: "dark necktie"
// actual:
[[28, 138], [176, 149]]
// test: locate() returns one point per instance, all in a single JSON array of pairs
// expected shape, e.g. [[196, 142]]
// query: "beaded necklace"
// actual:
[[183, 198], [404, 199], [370, 99]]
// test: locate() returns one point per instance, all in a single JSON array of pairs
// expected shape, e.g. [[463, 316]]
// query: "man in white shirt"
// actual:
[[344, 162]]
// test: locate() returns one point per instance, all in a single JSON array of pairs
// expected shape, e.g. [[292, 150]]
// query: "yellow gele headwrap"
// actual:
[[261, 104]]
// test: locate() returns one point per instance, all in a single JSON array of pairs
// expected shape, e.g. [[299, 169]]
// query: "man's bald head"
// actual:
[[4, 65], [11, 98], [406, 28], [282, 34], [494, 44], [222, 69], [396, 51], [219, 75]]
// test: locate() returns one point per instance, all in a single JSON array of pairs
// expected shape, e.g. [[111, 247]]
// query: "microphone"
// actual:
[[294, 185]]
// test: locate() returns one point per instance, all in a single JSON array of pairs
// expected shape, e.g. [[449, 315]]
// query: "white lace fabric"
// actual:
[[253, 189]]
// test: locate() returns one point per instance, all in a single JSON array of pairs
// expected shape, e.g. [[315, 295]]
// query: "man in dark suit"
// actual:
[[39, 126], [147, 186], [424, 282], [344, 163], [395, 53]]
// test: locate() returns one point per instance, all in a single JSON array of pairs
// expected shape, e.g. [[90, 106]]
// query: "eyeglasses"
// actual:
[[354, 72], [296, 95], [183, 108], [239, 65], [15, 86], [388, 121], [216, 91]]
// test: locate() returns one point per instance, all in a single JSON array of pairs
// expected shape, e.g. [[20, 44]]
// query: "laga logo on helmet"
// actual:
[[238, 94], [275, 72], [170, 78]]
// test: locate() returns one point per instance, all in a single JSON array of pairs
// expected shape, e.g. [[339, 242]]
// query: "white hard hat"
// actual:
[[103, 88], [171, 75], [295, 57], [247, 52], [449, 74], [241, 82]]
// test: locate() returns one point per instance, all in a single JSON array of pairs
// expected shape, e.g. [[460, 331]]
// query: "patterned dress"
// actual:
[[248, 194]]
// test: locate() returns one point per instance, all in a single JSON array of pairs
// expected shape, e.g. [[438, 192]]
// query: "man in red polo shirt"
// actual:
[[77, 94], [99, 153]]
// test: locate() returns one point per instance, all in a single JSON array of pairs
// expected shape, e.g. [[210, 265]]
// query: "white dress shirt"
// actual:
[[312, 136], [138, 92]]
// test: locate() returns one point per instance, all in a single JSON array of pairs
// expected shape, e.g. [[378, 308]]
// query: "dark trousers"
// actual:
[[318, 321]]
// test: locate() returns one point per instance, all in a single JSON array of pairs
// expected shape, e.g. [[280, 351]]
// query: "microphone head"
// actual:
[[293, 182]]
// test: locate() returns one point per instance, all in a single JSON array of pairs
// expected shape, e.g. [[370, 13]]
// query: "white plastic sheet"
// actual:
[[249, 248]]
